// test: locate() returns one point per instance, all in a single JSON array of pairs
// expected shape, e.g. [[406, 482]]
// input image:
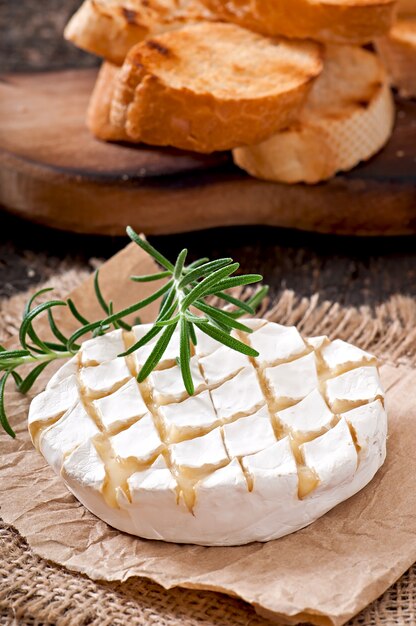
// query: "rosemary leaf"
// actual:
[[157, 353], [124, 325], [13, 354], [192, 334], [203, 270], [180, 262], [147, 278], [98, 293], [31, 315], [235, 281], [208, 284], [3, 417], [247, 308], [196, 263], [169, 321], [26, 384], [221, 316], [143, 341], [31, 300], [40, 345], [116, 316], [116, 325], [145, 245], [260, 294], [17, 378], [75, 312], [60, 336], [185, 356], [139, 305], [222, 337], [168, 303], [92, 326], [191, 317]]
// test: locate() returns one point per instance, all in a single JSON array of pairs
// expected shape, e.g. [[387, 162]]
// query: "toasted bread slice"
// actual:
[[347, 118], [98, 115], [330, 21], [406, 7], [109, 28], [398, 51], [211, 87]]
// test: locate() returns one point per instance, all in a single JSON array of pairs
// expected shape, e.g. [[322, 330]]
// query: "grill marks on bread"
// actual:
[[199, 88]]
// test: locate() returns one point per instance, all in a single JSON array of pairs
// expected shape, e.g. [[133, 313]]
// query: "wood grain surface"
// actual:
[[53, 172]]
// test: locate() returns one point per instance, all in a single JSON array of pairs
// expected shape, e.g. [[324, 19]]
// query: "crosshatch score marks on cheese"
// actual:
[[264, 447]]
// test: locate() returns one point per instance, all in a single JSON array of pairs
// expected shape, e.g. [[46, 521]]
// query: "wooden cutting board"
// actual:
[[53, 172]]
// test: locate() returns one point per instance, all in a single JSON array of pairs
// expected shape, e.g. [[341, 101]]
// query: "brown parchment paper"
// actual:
[[325, 573]]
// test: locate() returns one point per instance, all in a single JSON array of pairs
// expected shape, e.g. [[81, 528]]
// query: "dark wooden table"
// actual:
[[350, 270]]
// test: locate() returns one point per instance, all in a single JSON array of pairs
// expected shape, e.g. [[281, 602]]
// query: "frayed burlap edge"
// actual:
[[34, 592]]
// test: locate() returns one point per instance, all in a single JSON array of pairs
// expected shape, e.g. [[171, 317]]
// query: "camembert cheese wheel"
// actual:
[[263, 448]]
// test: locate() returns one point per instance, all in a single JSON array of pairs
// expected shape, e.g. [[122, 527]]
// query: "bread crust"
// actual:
[[398, 51], [109, 28], [200, 88], [329, 21], [348, 117], [98, 114]]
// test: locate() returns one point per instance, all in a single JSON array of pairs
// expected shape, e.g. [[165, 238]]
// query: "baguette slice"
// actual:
[[329, 21], [406, 7], [348, 117], [109, 28], [212, 87], [98, 115], [398, 51]]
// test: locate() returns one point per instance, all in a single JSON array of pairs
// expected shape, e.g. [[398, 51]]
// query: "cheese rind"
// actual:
[[72, 429], [263, 448], [53, 402], [70, 368], [369, 424]]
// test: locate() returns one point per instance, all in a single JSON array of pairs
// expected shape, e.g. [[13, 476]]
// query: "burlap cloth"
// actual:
[[36, 592]]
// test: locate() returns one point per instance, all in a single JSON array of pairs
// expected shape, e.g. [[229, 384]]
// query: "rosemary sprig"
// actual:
[[183, 294]]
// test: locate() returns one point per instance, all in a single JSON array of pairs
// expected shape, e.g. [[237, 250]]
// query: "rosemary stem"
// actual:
[[38, 358]]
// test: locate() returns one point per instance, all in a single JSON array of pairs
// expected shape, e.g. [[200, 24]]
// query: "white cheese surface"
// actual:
[[122, 406], [189, 417], [293, 380], [263, 448], [276, 343], [101, 349], [222, 364], [105, 377], [239, 395], [308, 416], [140, 441], [167, 385]]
